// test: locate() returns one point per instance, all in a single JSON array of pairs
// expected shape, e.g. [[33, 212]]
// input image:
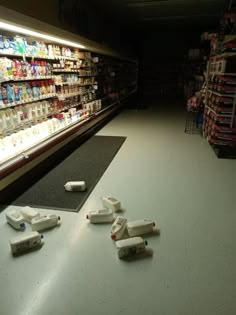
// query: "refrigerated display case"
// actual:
[[53, 88]]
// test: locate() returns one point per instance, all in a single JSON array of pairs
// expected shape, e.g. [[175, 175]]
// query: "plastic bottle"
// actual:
[[118, 228], [33, 68], [111, 203], [16, 220], [16, 93], [34, 89], [43, 88], [75, 186], [100, 216], [140, 227], [29, 214], [28, 91], [25, 242], [14, 68], [10, 93], [131, 246], [45, 222], [4, 94]]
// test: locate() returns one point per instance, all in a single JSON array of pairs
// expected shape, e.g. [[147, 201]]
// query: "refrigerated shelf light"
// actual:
[[25, 31]]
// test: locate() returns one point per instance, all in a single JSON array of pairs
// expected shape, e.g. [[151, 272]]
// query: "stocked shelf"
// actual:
[[50, 112], [26, 154], [218, 114], [78, 72], [222, 74], [220, 94], [224, 129], [28, 56], [219, 142], [34, 146], [18, 79], [229, 38], [66, 71], [219, 118], [210, 114], [225, 55], [73, 83], [64, 96], [31, 100], [90, 75]]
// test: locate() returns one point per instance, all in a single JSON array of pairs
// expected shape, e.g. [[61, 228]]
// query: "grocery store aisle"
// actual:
[[160, 173]]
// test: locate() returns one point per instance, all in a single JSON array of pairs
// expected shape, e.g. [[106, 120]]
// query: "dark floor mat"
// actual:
[[88, 163]]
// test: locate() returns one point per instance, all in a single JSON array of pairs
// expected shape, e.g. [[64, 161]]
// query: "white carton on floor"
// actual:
[[111, 203], [29, 214], [100, 216], [25, 242], [45, 222], [131, 246], [75, 186], [140, 227], [118, 228], [15, 219]]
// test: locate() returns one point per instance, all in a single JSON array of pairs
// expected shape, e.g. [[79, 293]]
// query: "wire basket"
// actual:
[[194, 121]]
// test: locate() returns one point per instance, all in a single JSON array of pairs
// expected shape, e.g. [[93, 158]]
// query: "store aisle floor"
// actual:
[[160, 173]]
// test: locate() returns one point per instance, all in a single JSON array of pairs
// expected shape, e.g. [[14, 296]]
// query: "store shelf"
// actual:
[[221, 109], [65, 71], [225, 55], [224, 129], [221, 142], [224, 136], [217, 114], [90, 75], [64, 109], [35, 99], [62, 97], [229, 38], [74, 83], [65, 58], [26, 155], [75, 71], [25, 125], [220, 119], [44, 117], [18, 79], [37, 57], [212, 118], [222, 74], [220, 94], [31, 148]]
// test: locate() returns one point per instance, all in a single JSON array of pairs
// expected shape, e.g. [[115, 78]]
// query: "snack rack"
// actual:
[[220, 105]]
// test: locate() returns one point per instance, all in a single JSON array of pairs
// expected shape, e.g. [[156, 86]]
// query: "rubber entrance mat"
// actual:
[[88, 163]]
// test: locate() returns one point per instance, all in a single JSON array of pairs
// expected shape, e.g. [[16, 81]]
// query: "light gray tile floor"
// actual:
[[160, 173]]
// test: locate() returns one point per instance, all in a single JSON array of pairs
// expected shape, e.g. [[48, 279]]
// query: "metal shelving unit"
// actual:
[[220, 107]]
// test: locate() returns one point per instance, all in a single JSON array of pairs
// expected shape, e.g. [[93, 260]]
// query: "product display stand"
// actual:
[[219, 114]]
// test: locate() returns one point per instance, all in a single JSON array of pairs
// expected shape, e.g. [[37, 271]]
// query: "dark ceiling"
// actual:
[[166, 14]]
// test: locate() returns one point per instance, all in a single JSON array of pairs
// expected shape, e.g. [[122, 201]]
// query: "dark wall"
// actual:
[[162, 56], [78, 16]]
